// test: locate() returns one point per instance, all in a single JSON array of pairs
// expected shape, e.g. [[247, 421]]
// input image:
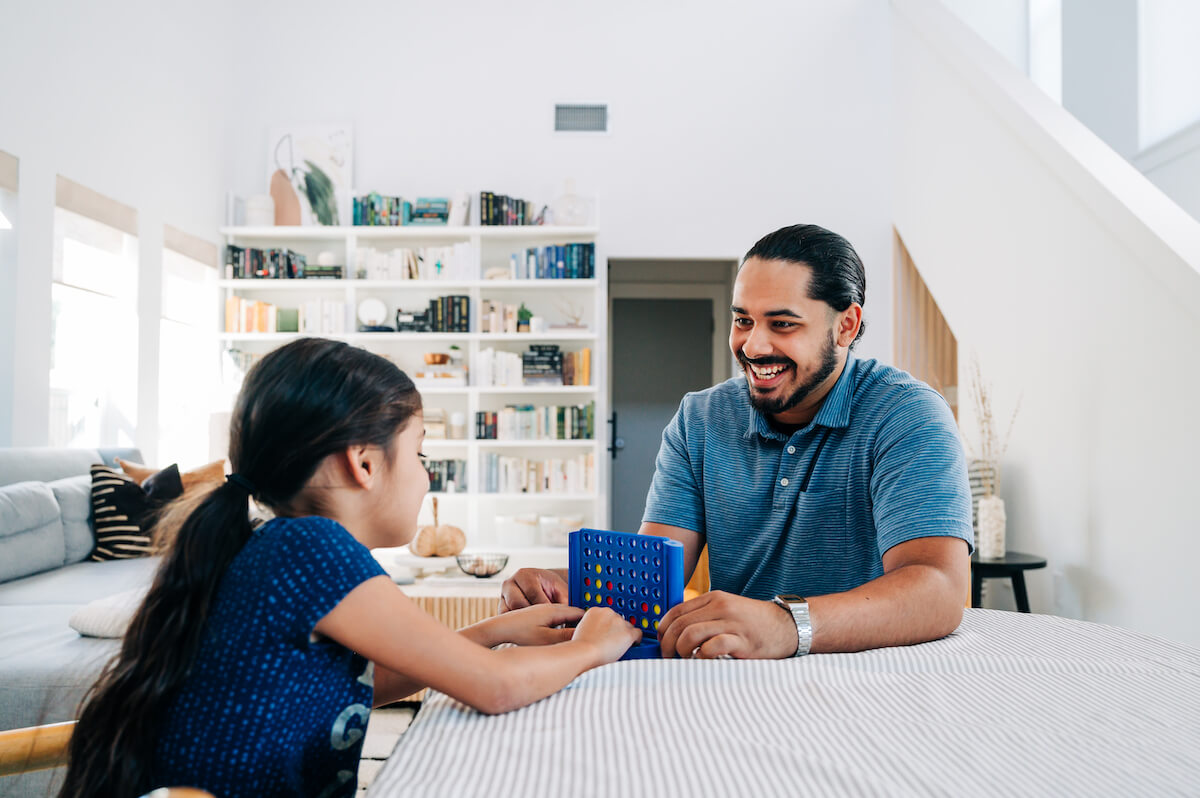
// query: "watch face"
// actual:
[[792, 598]]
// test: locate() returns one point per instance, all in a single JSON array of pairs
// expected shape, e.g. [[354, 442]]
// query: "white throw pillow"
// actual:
[[108, 616]]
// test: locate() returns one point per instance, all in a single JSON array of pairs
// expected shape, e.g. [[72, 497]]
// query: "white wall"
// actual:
[[130, 100], [727, 121], [1076, 283], [1004, 24], [725, 125]]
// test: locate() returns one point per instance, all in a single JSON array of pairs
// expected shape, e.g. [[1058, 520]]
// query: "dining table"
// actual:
[[1008, 704]]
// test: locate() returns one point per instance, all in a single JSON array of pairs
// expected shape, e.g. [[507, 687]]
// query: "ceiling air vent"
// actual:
[[581, 118]]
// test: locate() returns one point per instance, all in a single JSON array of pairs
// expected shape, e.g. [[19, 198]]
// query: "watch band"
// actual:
[[797, 607]]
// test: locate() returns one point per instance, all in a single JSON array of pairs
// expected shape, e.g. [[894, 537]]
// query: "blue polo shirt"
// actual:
[[812, 512]]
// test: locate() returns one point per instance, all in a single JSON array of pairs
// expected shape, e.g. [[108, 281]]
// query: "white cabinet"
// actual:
[[493, 520]]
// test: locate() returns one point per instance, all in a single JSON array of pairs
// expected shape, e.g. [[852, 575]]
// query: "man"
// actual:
[[831, 491]]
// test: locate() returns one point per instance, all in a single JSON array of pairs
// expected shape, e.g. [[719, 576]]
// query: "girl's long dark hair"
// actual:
[[299, 404]]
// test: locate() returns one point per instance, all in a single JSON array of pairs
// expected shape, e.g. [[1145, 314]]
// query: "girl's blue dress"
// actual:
[[268, 709]]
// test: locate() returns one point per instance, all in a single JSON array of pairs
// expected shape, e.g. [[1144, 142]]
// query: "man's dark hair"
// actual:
[[838, 276]]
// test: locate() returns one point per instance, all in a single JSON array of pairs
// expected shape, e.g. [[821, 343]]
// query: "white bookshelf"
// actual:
[[491, 246]]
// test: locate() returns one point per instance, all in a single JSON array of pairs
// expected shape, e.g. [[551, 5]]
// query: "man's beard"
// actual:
[[783, 404]]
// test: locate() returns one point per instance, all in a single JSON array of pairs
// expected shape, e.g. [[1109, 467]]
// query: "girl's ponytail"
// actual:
[[298, 405], [159, 647]]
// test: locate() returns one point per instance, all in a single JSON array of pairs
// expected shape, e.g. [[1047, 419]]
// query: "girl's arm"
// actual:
[[385, 626], [535, 626]]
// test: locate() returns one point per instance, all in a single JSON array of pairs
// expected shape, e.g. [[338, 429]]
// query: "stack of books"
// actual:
[[530, 423], [250, 316], [318, 272], [497, 317], [542, 364], [497, 368], [447, 474], [435, 422], [554, 262], [444, 314], [453, 262], [430, 211], [498, 209], [450, 314], [507, 474], [577, 367], [375, 210], [280, 263], [316, 316], [324, 317]]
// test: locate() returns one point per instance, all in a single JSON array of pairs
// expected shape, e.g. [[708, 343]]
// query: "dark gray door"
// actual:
[[661, 349]]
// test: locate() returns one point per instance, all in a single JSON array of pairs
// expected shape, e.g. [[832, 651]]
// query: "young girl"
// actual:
[[251, 667]]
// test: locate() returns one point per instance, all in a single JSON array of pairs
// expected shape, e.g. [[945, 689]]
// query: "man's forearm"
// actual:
[[912, 604]]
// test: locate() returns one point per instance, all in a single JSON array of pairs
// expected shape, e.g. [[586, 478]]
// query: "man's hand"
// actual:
[[533, 586], [720, 623]]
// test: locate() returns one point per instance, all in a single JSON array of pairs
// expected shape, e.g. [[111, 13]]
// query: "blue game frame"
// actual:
[[638, 576]]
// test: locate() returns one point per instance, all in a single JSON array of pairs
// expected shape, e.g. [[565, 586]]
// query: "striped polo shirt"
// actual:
[[812, 512]]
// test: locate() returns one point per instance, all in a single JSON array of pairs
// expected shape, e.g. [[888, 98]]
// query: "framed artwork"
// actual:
[[310, 169]]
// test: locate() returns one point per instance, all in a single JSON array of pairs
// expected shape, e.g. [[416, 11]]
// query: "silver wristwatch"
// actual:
[[797, 606]]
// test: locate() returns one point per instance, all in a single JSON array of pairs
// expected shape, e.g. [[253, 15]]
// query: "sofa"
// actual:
[[46, 537]]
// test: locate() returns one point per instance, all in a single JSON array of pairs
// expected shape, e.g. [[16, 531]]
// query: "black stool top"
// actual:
[[1010, 562]]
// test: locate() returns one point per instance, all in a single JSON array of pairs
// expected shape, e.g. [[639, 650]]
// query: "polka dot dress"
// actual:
[[268, 709]]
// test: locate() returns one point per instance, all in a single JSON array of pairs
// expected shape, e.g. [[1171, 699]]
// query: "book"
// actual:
[[287, 320], [460, 209]]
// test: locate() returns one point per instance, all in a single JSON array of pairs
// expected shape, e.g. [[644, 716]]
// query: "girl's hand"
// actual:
[[609, 633], [534, 626]]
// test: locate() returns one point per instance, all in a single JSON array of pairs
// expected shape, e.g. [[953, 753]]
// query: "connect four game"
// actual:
[[638, 576]]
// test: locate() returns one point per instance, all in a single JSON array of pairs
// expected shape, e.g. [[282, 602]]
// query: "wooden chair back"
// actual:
[[43, 747]]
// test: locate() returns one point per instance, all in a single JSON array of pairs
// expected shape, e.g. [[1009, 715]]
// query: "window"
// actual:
[[1169, 61], [1046, 46], [188, 367], [93, 334]]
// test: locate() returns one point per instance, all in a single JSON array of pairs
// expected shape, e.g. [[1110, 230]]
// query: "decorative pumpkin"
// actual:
[[438, 540]]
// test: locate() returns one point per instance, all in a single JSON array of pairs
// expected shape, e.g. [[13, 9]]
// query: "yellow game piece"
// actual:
[[657, 610], [597, 569], [587, 596], [597, 598], [645, 623], [656, 625]]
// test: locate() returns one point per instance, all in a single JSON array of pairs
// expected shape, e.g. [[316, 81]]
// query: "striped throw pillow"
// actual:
[[122, 515]]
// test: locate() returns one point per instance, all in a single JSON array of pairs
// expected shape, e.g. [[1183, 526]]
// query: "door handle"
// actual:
[[617, 441]]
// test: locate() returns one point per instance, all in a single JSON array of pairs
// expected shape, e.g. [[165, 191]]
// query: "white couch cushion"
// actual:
[[31, 532], [74, 496]]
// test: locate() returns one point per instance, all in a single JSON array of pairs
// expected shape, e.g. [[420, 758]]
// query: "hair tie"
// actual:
[[241, 482]]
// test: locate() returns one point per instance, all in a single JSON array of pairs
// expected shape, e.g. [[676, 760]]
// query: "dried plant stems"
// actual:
[[991, 449]]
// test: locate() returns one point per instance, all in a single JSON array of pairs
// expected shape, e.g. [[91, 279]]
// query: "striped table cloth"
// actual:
[[1010, 704]]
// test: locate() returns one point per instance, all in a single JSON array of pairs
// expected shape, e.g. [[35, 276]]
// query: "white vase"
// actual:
[[991, 527]]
